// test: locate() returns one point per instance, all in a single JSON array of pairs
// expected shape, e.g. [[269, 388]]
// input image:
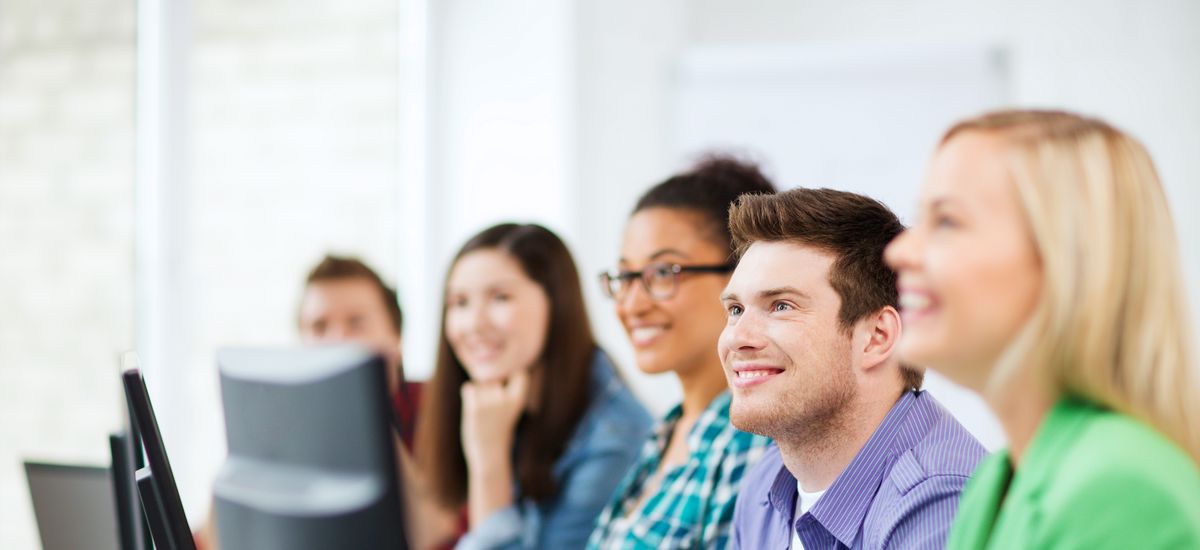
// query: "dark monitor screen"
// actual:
[[156, 483], [73, 505], [312, 460]]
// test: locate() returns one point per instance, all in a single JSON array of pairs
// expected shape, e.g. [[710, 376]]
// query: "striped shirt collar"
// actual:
[[844, 506]]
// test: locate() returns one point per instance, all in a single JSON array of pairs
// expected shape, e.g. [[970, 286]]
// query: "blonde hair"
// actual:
[[1112, 323]]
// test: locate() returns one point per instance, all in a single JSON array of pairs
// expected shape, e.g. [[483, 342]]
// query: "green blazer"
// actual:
[[1091, 478]]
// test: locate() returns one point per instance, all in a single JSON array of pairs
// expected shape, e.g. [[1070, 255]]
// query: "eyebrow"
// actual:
[[770, 293], [942, 201], [658, 254]]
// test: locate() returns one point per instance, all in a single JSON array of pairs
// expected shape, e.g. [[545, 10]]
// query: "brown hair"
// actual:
[[565, 364], [339, 268], [854, 228]]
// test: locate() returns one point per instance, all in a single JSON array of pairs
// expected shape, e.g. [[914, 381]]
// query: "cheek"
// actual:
[[527, 326], [452, 326], [723, 340], [699, 308]]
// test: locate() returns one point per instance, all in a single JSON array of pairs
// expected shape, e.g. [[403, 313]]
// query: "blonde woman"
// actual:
[[1043, 272]]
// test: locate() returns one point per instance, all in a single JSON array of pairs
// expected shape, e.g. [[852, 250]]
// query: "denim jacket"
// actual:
[[604, 445]]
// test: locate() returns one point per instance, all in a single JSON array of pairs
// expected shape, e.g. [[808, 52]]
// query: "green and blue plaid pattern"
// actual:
[[693, 505]]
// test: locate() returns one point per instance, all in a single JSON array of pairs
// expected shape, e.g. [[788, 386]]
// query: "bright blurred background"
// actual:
[[170, 170]]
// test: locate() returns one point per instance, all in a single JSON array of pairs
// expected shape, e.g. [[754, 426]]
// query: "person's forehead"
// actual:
[[349, 291], [668, 233], [778, 264], [487, 267]]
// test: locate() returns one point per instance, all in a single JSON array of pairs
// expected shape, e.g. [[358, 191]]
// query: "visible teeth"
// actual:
[[914, 301], [754, 373], [645, 333]]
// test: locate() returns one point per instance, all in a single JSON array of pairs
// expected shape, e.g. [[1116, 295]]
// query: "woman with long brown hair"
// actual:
[[525, 421]]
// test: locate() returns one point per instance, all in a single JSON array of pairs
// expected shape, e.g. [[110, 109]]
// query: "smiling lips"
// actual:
[[915, 304], [645, 335], [744, 377]]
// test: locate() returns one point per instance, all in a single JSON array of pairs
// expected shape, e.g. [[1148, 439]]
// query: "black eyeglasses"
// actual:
[[660, 280]]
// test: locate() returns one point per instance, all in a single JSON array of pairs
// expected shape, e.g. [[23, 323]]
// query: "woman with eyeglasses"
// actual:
[[525, 422], [676, 257], [1043, 272]]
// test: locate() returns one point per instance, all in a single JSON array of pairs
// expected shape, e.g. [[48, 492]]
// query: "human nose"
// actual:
[[745, 334], [637, 297], [336, 332], [903, 252]]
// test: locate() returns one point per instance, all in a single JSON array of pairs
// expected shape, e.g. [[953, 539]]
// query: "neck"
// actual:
[[700, 387], [816, 457], [1021, 405]]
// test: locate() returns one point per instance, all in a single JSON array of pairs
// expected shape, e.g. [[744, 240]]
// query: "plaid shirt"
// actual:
[[693, 505]]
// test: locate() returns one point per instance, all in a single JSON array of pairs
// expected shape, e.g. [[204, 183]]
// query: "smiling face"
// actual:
[[969, 276], [678, 333], [496, 316], [784, 354]]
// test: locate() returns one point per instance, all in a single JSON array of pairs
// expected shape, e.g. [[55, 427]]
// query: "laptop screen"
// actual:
[[74, 506]]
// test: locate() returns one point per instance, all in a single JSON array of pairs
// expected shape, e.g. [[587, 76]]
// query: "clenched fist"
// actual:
[[489, 419]]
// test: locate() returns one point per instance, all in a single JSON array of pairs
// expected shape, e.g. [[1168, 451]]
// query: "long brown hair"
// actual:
[[565, 362]]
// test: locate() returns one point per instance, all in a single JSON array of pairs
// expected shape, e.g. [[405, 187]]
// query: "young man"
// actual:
[[344, 300], [863, 457]]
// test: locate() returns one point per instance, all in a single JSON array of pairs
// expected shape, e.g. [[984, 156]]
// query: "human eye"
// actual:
[[942, 217], [943, 221], [457, 301], [781, 306], [660, 272], [734, 309]]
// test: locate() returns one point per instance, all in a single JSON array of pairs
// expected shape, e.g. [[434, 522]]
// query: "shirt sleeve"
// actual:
[[502, 529], [565, 522], [585, 491], [924, 515]]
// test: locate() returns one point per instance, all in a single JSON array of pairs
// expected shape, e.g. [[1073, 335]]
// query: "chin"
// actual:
[[748, 418], [919, 351], [487, 375], [652, 363]]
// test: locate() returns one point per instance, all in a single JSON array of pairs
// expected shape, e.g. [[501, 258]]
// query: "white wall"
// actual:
[[624, 72], [501, 137], [1134, 63], [66, 236]]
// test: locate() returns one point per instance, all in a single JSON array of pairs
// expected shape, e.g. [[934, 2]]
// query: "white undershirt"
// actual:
[[804, 503]]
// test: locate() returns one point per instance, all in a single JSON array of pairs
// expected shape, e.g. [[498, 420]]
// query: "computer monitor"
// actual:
[[162, 507], [73, 505], [311, 459], [126, 450]]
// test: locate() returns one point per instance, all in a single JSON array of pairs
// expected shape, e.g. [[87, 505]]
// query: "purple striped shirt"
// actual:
[[900, 491]]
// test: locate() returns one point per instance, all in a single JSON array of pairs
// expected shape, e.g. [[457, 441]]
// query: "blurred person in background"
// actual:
[[344, 300], [1043, 273], [676, 257], [525, 422]]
